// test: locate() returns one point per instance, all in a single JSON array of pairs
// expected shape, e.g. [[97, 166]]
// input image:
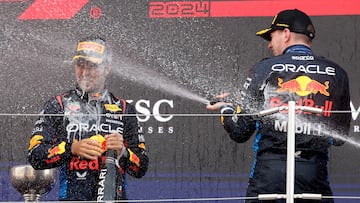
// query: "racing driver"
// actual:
[[78, 128], [293, 74]]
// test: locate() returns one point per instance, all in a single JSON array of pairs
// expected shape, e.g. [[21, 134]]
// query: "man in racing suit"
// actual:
[[293, 74], [77, 129]]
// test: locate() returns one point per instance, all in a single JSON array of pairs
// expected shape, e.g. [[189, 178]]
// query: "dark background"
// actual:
[[191, 155]]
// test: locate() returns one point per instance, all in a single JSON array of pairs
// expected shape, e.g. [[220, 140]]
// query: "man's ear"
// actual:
[[287, 34]]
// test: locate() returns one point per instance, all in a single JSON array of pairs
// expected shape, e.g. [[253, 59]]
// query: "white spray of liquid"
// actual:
[[151, 79], [303, 125]]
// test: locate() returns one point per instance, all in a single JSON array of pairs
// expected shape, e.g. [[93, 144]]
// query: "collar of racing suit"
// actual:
[[91, 96], [298, 48]]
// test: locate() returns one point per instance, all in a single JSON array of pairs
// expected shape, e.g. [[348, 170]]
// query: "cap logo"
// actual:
[[282, 25], [273, 21], [91, 46]]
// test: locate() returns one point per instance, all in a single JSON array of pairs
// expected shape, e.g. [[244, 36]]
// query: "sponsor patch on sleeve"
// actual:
[[35, 140]]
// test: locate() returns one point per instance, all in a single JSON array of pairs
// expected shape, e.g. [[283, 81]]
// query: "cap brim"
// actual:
[[265, 33], [88, 58]]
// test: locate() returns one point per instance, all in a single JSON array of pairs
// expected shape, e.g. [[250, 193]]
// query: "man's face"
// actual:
[[277, 43], [89, 76]]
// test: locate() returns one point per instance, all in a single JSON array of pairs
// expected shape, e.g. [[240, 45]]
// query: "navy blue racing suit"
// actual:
[[309, 80], [73, 116]]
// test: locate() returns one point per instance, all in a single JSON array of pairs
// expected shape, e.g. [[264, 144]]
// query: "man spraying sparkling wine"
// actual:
[[293, 74]]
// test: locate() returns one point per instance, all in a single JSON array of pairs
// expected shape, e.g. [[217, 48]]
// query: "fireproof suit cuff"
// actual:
[[124, 153], [227, 109]]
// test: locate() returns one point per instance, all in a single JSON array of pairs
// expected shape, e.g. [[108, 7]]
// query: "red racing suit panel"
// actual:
[[74, 116]]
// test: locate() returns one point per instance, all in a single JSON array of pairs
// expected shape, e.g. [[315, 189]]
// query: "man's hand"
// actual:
[[92, 149], [115, 141], [216, 106], [87, 148]]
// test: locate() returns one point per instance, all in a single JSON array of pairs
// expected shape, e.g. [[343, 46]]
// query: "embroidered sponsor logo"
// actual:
[[35, 141], [326, 107], [112, 107], [59, 149], [78, 164], [303, 85]]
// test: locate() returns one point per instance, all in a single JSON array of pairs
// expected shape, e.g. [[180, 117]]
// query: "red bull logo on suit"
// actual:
[[303, 85]]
